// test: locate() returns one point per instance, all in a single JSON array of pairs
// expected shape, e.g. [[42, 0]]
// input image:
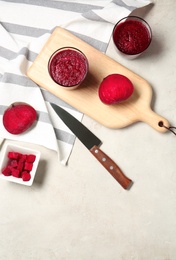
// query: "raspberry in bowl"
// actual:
[[132, 35], [68, 67], [18, 163]]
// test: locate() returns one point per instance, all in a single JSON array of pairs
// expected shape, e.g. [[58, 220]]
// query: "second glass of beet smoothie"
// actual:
[[132, 35], [68, 67]]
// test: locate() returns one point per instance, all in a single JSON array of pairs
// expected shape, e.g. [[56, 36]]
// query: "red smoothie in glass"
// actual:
[[132, 35], [68, 67]]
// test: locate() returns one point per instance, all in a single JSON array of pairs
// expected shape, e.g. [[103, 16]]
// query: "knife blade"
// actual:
[[92, 143]]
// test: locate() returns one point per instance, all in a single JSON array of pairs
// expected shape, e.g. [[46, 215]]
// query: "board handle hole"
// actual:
[[160, 123]]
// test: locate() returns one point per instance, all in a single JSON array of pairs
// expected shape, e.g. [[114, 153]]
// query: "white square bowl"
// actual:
[[19, 149]]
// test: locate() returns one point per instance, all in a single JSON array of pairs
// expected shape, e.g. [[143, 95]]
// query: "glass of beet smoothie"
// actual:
[[68, 67], [132, 35]]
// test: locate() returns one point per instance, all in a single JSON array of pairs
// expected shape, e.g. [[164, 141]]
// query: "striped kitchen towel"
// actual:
[[25, 27]]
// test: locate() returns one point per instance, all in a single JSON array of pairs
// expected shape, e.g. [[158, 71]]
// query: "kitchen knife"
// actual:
[[92, 143]]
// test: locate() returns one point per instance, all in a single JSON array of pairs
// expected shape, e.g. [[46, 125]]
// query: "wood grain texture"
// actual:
[[85, 98]]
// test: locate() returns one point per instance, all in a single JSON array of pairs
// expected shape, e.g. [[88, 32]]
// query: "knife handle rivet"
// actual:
[[96, 151], [103, 159], [111, 167]]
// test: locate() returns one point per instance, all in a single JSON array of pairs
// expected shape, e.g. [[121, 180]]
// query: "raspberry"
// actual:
[[13, 155], [28, 166], [30, 158], [15, 172], [14, 163], [20, 165], [26, 176], [23, 157], [6, 171]]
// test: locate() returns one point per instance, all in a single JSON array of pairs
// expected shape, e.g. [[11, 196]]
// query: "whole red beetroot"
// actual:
[[19, 117], [115, 88]]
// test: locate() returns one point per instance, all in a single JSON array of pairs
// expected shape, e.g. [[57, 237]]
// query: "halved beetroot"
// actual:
[[115, 88]]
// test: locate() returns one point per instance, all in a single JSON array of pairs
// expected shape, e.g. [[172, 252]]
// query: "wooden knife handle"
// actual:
[[111, 167]]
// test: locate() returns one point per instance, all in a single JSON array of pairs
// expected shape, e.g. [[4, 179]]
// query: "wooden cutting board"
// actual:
[[85, 98]]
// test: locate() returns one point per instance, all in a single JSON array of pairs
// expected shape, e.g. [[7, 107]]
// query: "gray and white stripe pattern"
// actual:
[[24, 28]]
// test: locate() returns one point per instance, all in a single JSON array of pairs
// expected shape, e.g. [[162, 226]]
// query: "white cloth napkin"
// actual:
[[25, 27]]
